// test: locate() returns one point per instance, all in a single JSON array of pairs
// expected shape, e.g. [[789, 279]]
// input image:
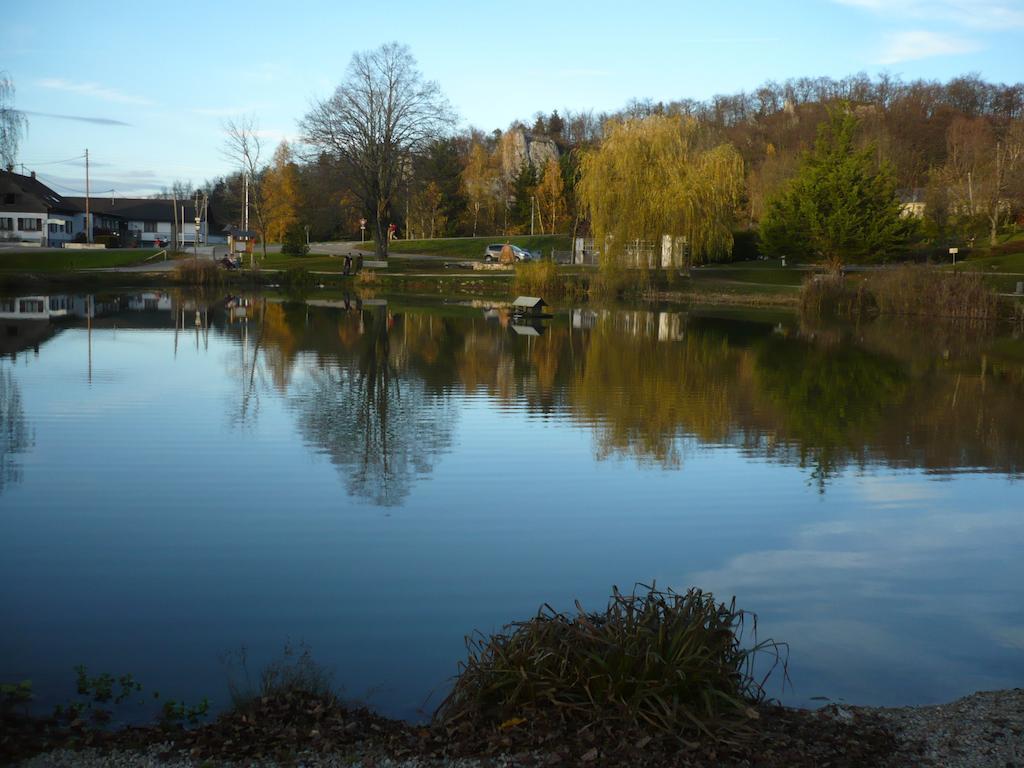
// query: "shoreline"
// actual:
[[977, 731], [442, 284]]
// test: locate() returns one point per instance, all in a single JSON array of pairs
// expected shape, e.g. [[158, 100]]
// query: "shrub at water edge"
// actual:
[[651, 660]]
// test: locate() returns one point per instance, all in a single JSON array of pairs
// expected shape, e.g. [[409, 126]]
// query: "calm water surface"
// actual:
[[182, 478]]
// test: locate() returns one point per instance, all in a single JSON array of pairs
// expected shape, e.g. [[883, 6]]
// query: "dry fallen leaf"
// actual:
[[512, 722], [590, 754]]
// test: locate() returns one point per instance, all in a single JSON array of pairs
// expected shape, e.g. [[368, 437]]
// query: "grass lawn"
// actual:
[[313, 262], [770, 272], [69, 260], [718, 284], [1010, 262], [473, 247], [318, 262]]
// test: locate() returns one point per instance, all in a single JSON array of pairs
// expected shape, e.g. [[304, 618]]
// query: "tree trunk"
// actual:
[[380, 228]]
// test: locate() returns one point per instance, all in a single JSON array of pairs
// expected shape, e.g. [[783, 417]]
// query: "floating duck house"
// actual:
[[529, 306]]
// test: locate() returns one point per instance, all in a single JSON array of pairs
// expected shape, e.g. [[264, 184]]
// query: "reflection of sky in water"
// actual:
[[150, 531]]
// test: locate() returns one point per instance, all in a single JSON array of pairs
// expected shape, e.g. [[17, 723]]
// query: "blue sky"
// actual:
[[155, 81]]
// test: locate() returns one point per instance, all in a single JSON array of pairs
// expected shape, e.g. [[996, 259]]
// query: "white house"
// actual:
[[33, 214], [149, 222]]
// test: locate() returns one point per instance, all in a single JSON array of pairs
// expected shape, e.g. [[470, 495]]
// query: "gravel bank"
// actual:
[[983, 730]]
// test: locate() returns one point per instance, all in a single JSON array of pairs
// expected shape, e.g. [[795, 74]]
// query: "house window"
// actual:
[[26, 306], [10, 198], [6, 305], [6, 224], [30, 225], [149, 226]]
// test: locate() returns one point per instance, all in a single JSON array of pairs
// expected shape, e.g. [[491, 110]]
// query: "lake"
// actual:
[[184, 477]]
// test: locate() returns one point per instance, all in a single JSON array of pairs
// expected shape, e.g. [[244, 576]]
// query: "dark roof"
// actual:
[[145, 209], [44, 198], [140, 208], [530, 302]]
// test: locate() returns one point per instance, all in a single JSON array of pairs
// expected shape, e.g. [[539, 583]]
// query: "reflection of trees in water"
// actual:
[[831, 400], [642, 394], [375, 397], [826, 403], [15, 437], [379, 425]]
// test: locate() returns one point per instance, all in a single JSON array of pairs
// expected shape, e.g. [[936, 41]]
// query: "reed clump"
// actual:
[[833, 294], [367, 277], [906, 290], [652, 660], [196, 272], [924, 290], [543, 278]]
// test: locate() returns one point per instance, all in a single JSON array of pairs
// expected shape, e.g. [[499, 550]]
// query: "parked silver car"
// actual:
[[493, 253]]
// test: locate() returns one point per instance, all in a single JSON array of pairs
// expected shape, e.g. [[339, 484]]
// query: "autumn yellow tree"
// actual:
[[480, 180], [660, 176], [281, 193], [427, 211], [551, 197]]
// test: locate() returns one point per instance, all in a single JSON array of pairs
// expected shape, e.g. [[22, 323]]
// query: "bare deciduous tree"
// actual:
[[12, 122], [243, 146], [381, 113], [982, 167]]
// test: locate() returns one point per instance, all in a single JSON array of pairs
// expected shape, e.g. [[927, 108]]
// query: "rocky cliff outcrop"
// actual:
[[519, 148]]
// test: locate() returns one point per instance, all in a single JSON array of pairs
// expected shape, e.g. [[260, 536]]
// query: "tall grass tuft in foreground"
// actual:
[[654, 660], [294, 673]]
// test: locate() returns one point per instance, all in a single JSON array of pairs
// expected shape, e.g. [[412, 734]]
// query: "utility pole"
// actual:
[[532, 201], [206, 218], [88, 218], [195, 242]]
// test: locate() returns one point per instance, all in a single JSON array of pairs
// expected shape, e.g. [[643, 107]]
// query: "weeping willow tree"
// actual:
[[661, 176], [12, 122]]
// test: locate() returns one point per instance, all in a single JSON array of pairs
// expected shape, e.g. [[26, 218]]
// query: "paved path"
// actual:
[[156, 265]]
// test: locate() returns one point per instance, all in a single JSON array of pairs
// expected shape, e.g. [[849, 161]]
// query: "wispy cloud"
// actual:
[[91, 89], [922, 44], [977, 14], [80, 118]]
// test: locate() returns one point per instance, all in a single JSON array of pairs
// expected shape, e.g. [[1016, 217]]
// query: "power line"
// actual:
[[51, 162], [70, 189]]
